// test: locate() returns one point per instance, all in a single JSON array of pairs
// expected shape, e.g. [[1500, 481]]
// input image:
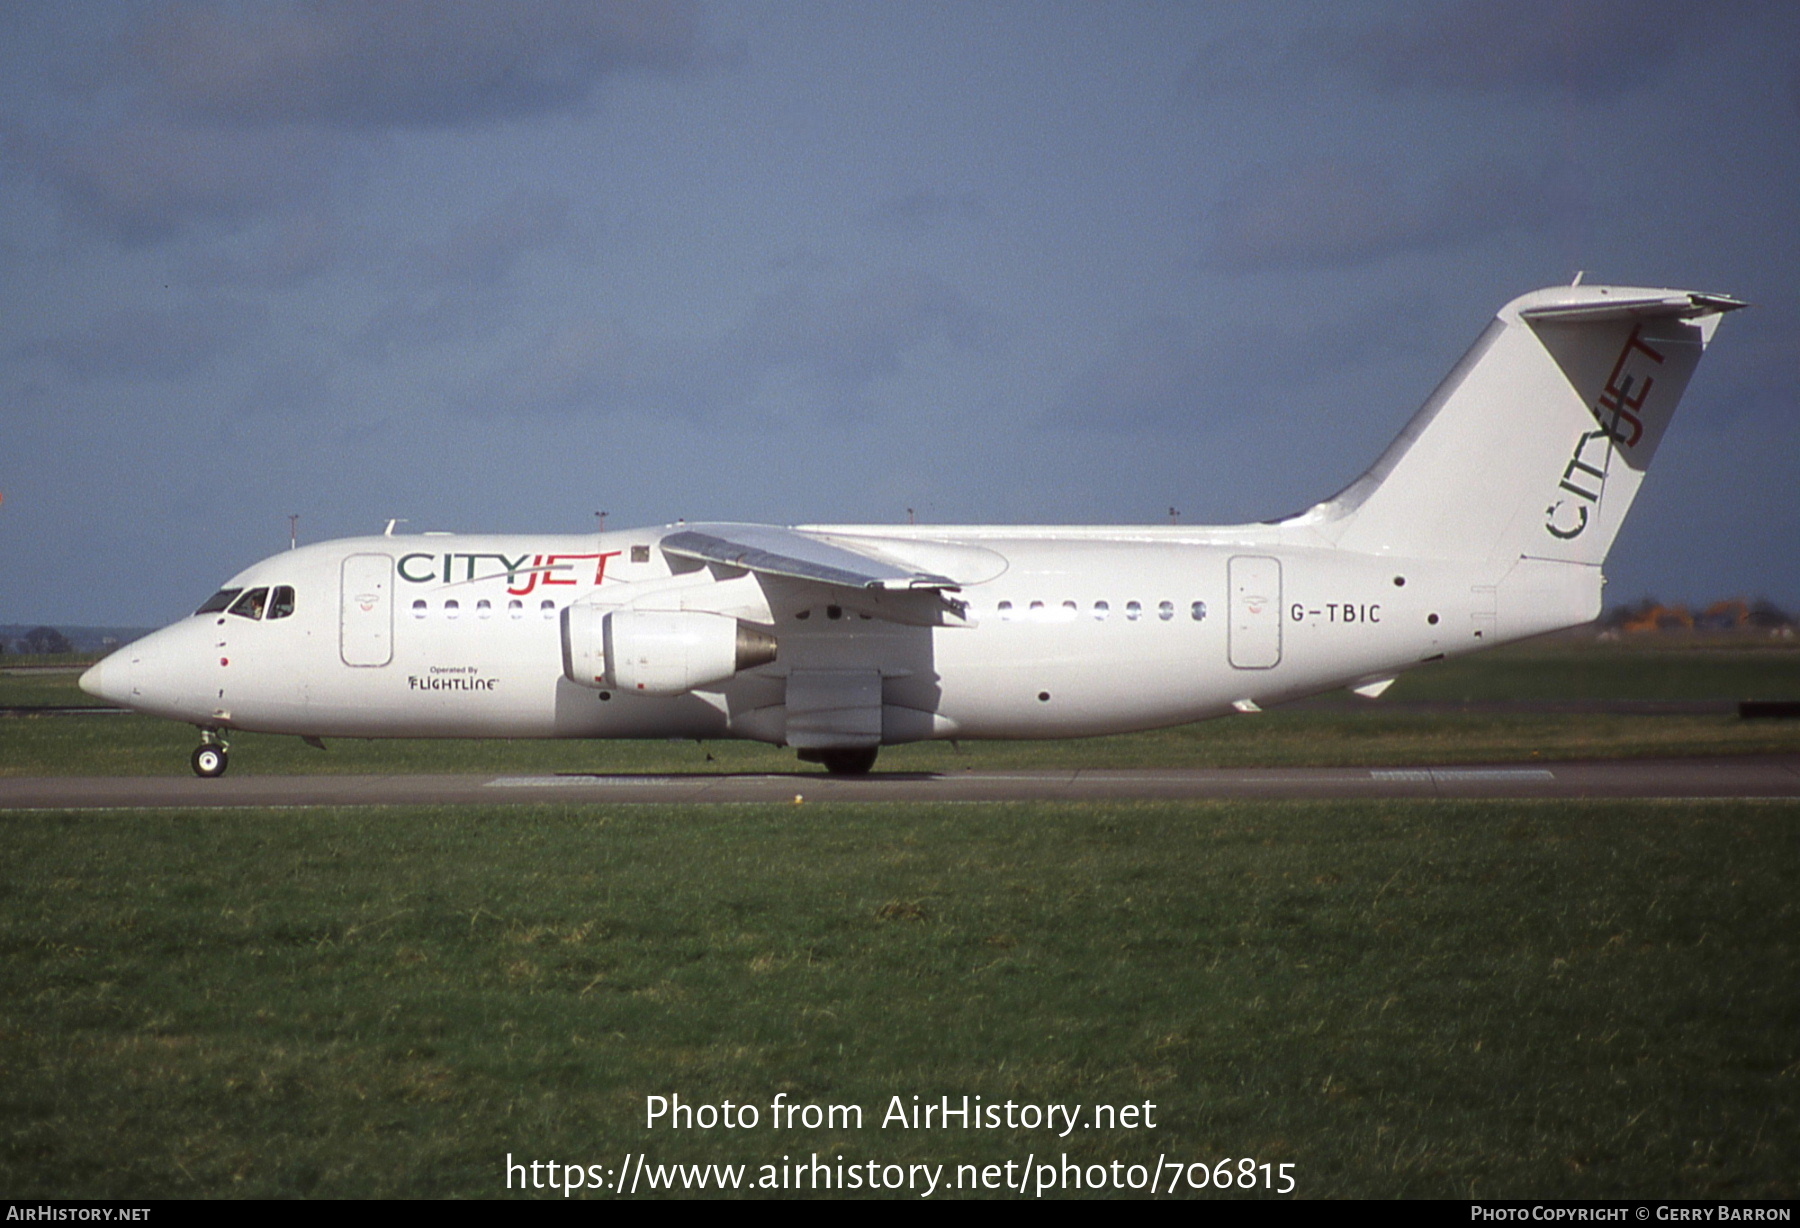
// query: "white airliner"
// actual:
[[1486, 521]]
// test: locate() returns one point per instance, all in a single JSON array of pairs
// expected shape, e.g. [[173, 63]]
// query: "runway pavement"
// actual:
[[1763, 776]]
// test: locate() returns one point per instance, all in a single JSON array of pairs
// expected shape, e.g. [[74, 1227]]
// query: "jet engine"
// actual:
[[658, 652]]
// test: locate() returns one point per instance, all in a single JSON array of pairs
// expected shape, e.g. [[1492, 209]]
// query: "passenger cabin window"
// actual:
[[281, 602], [484, 608], [1132, 610], [516, 608], [1101, 610], [250, 605], [1199, 611], [452, 609], [419, 608], [1166, 610], [219, 600]]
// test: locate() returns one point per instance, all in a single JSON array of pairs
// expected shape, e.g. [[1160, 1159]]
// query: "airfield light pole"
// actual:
[[601, 517], [294, 531]]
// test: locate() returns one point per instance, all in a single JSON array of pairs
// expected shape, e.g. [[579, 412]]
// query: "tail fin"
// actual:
[[1535, 443]]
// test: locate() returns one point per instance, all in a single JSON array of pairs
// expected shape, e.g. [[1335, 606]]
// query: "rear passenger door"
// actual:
[[1255, 625]]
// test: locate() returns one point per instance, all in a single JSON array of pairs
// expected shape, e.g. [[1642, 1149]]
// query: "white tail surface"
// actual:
[[1534, 445]]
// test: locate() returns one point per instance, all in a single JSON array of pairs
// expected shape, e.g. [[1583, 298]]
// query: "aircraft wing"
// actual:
[[799, 555]]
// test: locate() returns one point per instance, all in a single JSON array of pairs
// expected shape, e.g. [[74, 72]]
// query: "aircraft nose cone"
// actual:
[[107, 679]]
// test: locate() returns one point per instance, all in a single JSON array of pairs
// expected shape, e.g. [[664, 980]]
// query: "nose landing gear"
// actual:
[[212, 756]]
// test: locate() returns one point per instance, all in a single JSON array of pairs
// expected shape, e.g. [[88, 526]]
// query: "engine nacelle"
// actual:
[[658, 652]]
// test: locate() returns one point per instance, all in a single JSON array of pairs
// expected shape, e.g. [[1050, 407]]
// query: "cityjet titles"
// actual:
[[522, 574], [1616, 410]]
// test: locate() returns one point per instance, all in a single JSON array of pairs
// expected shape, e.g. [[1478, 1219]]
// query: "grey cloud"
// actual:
[[1242, 61], [1584, 48], [361, 64], [1243, 364], [1756, 381], [860, 335], [146, 182], [302, 244], [484, 252], [257, 102], [445, 285], [922, 211], [1153, 373], [425, 320], [288, 387], [813, 353], [600, 366], [145, 343], [1335, 213]]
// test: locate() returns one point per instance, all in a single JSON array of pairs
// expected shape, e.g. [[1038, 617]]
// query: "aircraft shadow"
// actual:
[[795, 775]]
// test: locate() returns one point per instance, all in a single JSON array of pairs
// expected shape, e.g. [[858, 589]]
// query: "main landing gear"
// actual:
[[856, 761], [213, 755]]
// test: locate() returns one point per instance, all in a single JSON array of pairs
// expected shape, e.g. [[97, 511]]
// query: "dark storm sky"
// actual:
[[497, 267]]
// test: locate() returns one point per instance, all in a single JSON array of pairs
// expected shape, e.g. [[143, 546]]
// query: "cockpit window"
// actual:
[[250, 605], [281, 602], [218, 601]]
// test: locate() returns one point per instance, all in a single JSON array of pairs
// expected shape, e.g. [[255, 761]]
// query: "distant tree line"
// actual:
[[61, 641], [1732, 614], [42, 641]]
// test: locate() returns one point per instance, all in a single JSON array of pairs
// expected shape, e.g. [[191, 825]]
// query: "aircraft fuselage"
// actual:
[[1078, 634]]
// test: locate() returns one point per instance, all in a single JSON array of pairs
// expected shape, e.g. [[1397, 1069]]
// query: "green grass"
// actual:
[[1347, 732], [1400, 999], [1727, 668], [143, 746], [42, 686]]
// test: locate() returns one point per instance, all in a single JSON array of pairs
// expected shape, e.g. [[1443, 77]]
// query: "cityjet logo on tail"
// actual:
[[1616, 410], [521, 574]]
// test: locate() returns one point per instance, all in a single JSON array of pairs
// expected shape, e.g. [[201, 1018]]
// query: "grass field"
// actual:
[[1399, 999], [1334, 731]]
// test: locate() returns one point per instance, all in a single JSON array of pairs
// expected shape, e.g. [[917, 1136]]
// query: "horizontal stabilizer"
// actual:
[[1680, 305]]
